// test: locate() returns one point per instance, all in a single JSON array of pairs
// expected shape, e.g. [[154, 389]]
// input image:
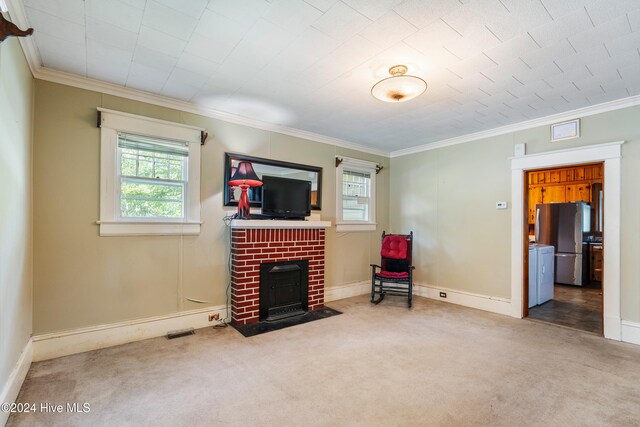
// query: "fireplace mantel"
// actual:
[[275, 223]]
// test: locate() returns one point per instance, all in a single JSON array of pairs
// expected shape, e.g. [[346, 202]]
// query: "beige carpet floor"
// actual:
[[437, 364]]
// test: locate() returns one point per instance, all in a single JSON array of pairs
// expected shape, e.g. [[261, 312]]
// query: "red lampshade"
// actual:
[[245, 175]]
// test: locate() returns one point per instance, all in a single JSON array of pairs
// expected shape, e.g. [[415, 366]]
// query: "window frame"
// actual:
[[111, 222], [361, 166]]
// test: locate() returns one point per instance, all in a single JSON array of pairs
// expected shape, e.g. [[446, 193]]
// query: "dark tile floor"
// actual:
[[572, 306]]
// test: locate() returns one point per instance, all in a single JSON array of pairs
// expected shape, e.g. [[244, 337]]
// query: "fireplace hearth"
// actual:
[[283, 289]]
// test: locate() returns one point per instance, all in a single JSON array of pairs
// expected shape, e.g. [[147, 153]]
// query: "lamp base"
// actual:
[[244, 211]]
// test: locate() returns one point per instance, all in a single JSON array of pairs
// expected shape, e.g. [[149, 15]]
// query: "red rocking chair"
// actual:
[[395, 275]]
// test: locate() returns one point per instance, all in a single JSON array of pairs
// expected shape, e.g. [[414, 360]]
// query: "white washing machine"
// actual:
[[541, 273]]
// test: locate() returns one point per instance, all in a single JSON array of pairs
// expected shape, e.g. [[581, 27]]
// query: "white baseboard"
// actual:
[[13, 385], [57, 344], [468, 299], [49, 346], [630, 332], [64, 343], [347, 291]]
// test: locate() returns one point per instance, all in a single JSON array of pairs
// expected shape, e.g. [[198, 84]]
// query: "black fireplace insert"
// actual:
[[283, 289]]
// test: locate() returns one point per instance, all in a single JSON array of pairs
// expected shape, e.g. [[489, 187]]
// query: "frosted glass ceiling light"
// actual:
[[398, 87]]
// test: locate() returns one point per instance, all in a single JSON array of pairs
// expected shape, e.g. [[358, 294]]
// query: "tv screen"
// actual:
[[286, 198]]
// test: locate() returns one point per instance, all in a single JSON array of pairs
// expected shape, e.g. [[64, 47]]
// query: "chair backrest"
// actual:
[[396, 251]]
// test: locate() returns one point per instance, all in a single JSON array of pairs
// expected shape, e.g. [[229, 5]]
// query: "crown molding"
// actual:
[[74, 80], [617, 104]]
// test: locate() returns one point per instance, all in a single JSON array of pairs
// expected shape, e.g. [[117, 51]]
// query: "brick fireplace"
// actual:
[[256, 242]]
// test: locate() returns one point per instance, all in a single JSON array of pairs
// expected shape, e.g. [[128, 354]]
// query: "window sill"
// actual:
[[349, 226], [122, 228]]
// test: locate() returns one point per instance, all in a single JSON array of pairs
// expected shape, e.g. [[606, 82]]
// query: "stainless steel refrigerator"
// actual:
[[565, 226]]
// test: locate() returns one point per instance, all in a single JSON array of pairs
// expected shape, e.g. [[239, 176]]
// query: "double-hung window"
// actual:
[[356, 195], [153, 176], [150, 176], [355, 192]]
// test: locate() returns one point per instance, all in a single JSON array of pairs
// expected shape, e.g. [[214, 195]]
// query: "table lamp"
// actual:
[[244, 177]]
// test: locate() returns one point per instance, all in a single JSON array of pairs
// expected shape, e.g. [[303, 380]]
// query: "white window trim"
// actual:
[[112, 122], [358, 166]]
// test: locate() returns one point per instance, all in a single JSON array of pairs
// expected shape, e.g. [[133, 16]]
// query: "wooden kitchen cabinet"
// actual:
[[578, 193], [571, 184], [597, 263], [566, 175], [546, 194], [554, 194], [557, 194]]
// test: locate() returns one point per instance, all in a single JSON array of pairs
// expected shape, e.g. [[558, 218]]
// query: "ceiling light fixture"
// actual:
[[398, 87]]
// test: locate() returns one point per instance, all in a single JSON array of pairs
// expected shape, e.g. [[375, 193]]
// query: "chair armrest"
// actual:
[[411, 267], [375, 265]]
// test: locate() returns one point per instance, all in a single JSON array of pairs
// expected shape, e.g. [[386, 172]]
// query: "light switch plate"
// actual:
[[519, 150], [501, 205]]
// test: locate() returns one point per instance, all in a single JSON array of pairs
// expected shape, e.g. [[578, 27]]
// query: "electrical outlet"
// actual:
[[214, 316], [443, 294]]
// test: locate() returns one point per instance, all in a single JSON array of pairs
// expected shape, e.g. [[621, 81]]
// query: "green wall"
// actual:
[[16, 113], [448, 195]]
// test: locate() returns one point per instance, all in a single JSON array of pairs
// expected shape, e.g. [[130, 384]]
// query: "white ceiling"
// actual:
[[310, 64]]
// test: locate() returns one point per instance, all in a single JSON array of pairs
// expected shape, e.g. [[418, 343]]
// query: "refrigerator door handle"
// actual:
[[537, 225]]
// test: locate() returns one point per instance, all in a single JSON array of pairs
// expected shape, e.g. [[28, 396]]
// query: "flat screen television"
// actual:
[[285, 197]]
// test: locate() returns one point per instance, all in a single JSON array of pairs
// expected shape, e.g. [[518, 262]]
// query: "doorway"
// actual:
[[563, 281], [611, 154]]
